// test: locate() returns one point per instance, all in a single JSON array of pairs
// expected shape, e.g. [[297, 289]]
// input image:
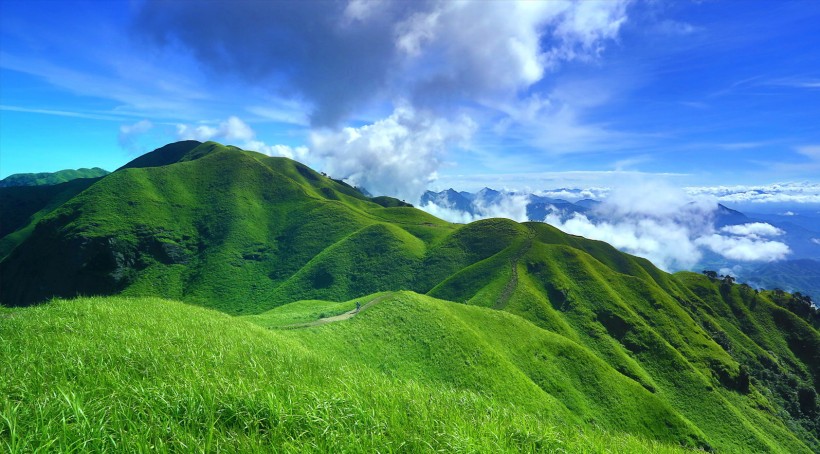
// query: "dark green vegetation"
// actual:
[[62, 176], [490, 336]]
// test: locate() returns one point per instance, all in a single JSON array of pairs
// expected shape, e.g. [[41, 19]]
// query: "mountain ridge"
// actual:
[[51, 178], [728, 368]]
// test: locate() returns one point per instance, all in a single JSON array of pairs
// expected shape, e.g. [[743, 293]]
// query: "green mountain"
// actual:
[[40, 179], [491, 336]]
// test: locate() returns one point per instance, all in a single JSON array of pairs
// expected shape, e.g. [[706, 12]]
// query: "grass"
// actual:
[[50, 178], [135, 375], [539, 324]]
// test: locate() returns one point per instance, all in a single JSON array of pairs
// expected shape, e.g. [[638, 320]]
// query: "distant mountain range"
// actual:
[[41, 179], [800, 232]]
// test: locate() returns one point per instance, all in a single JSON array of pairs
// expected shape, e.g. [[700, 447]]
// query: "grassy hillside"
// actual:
[[100, 374], [220, 227], [554, 325], [40, 179], [22, 207]]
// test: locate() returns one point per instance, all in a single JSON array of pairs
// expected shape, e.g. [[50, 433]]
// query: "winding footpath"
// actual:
[[337, 318], [506, 294]]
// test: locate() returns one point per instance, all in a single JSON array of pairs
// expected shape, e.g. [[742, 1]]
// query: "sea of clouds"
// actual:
[[673, 228]]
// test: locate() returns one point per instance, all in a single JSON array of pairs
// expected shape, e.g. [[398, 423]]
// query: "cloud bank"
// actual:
[[803, 192], [661, 223], [510, 206], [671, 232]]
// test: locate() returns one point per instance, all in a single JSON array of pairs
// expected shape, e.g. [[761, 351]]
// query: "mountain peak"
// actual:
[[168, 154]]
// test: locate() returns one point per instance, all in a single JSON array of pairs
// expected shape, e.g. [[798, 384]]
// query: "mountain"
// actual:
[[539, 207], [477, 204], [726, 216], [40, 179], [449, 199], [21, 207], [791, 275], [486, 336]]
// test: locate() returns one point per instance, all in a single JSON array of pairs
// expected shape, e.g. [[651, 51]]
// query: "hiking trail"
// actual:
[[506, 294], [337, 318]]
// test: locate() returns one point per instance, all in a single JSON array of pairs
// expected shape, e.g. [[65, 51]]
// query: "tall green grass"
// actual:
[[139, 375]]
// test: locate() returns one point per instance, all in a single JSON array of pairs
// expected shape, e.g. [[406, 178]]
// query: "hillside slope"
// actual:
[[50, 178], [97, 375], [678, 358], [220, 227]]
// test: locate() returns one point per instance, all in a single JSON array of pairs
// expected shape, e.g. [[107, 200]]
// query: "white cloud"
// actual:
[[670, 228], [490, 47], [574, 194], [510, 206], [772, 193], [745, 248], [448, 214], [815, 240], [648, 219], [665, 243], [755, 230], [398, 155]]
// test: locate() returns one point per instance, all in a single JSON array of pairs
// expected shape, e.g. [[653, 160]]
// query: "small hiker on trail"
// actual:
[[358, 306]]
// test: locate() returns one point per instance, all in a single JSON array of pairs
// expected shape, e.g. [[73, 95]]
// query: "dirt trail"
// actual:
[[336, 318], [505, 295]]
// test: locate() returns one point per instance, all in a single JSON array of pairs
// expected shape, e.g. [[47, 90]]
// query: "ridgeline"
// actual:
[[492, 336]]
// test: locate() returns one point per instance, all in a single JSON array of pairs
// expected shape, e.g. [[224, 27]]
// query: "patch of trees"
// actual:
[[798, 303]]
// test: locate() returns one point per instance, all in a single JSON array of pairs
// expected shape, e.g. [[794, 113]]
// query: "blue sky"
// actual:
[[401, 96]]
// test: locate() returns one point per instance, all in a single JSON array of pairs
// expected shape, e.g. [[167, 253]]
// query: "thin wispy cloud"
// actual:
[[63, 113]]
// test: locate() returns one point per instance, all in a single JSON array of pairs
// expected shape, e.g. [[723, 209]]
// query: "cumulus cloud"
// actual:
[[508, 45], [397, 155], [340, 55]]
